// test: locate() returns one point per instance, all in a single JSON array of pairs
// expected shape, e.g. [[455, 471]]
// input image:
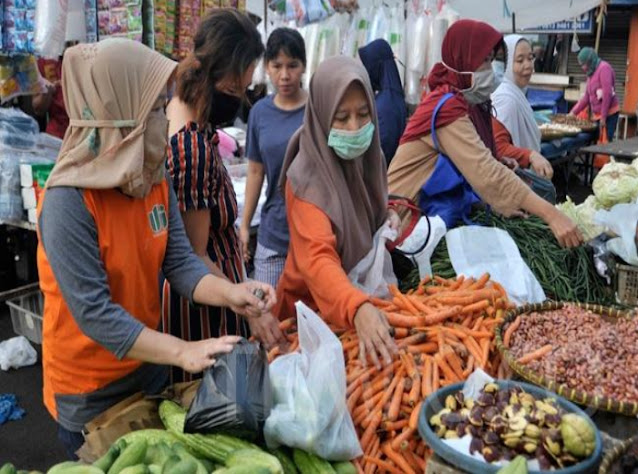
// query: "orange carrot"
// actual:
[[481, 282], [454, 363], [403, 321], [415, 391], [414, 339], [354, 398], [409, 364], [379, 303], [511, 330], [426, 348], [394, 425], [436, 377], [395, 404], [476, 307], [350, 344], [377, 386], [400, 333], [535, 355], [485, 347], [426, 379], [441, 316], [404, 436], [383, 465], [469, 367], [413, 423], [274, 352], [446, 370], [368, 435], [419, 305]]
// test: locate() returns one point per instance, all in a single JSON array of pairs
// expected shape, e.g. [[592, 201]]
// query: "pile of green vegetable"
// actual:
[[564, 274], [172, 451]]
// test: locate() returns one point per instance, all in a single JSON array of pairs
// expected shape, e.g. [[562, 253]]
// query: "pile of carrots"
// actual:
[[444, 330]]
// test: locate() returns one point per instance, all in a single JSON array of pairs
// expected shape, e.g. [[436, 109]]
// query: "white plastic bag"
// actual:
[[309, 395], [17, 352], [436, 229], [50, 27], [621, 220], [374, 272], [475, 250]]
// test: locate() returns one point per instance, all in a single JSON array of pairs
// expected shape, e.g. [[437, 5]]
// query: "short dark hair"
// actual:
[[226, 44], [287, 41]]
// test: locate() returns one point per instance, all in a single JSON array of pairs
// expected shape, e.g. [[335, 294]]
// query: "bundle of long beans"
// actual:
[[564, 274]]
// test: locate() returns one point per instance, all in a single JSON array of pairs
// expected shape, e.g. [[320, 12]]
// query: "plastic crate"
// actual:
[[26, 315], [627, 284]]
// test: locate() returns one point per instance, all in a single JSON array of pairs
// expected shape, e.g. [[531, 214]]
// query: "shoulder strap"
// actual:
[[443, 100]]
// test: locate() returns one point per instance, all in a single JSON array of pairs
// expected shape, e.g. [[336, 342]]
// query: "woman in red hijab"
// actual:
[[445, 161]]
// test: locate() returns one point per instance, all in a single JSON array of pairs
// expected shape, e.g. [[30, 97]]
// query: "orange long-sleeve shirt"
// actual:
[[505, 147], [313, 271]]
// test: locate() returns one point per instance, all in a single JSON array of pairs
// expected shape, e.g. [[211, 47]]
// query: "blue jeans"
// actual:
[[71, 440], [611, 123]]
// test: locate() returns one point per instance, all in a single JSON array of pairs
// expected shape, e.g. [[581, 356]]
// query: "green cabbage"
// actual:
[[616, 183], [583, 216]]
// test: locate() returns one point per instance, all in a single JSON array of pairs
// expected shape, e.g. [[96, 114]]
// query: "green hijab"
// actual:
[[589, 57]]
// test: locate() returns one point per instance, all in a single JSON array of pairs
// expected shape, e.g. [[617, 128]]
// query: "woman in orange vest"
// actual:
[[109, 224]]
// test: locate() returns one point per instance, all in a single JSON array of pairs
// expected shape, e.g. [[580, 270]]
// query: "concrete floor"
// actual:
[[30, 443]]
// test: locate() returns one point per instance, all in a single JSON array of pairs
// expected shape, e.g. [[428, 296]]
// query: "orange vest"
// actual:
[[132, 237]]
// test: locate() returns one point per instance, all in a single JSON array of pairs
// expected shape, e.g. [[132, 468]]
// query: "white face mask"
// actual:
[[483, 85]]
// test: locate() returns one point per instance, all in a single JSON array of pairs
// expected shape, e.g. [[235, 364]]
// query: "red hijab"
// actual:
[[465, 47]]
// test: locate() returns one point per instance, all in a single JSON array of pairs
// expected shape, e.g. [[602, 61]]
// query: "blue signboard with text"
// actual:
[[584, 24]]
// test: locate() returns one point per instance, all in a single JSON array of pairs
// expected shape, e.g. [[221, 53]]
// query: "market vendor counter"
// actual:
[[562, 153]]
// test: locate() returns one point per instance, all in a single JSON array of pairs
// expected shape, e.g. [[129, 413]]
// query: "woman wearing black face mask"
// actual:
[[211, 82]]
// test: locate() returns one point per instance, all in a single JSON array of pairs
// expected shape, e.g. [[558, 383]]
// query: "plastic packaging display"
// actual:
[[438, 29], [309, 394], [235, 395], [395, 36], [18, 131], [379, 26], [417, 29], [19, 75], [18, 26], [50, 27]]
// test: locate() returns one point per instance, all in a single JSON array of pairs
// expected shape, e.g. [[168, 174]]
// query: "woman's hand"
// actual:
[[266, 330], [565, 230], [251, 299], [197, 356], [374, 335], [244, 238], [511, 163], [541, 166], [394, 220]]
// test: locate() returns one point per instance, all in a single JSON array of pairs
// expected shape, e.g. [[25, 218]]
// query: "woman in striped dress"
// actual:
[[209, 91]]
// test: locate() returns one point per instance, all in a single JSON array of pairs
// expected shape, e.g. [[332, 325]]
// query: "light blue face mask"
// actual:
[[351, 145]]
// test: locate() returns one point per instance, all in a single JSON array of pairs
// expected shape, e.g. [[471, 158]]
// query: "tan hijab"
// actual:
[[352, 193], [113, 139]]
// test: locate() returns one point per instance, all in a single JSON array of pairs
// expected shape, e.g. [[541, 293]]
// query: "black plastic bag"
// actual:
[[235, 395]]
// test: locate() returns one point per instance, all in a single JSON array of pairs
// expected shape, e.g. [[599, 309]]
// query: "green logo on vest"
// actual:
[[158, 219]]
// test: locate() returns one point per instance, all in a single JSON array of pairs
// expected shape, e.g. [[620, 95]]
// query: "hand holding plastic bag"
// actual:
[[374, 272], [234, 395], [17, 352], [309, 393]]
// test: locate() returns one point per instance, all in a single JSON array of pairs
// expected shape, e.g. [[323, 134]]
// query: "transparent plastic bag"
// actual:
[[379, 25], [309, 393], [417, 29], [395, 36], [17, 352], [50, 27], [374, 272], [18, 131]]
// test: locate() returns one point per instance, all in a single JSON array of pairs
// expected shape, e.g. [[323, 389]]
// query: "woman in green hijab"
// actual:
[[600, 95]]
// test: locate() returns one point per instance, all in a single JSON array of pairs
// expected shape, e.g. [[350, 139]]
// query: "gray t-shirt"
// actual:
[[69, 236], [269, 131]]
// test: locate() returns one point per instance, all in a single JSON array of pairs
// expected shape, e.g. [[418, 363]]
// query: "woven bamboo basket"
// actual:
[[615, 454], [573, 394]]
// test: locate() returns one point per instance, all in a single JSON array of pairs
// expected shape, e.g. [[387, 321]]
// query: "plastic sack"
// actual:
[[374, 272], [621, 220], [50, 27], [433, 229], [10, 194], [18, 131], [417, 29], [235, 395], [17, 352], [309, 391], [328, 40], [475, 250], [395, 36], [19, 75], [379, 25]]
